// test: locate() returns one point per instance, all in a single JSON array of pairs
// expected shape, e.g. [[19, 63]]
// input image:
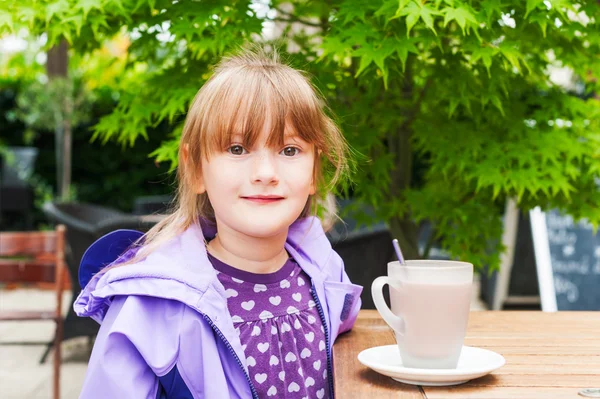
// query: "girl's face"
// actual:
[[260, 191]]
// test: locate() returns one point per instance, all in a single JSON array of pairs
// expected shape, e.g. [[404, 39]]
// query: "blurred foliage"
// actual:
[[449, 102], [108, 175]]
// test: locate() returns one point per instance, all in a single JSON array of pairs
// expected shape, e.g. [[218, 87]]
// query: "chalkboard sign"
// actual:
[[567, 260]]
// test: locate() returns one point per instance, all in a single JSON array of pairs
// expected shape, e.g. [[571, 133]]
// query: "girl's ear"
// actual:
[[199, 184]]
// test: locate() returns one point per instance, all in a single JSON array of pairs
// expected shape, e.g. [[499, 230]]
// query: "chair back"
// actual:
[[32, 256]]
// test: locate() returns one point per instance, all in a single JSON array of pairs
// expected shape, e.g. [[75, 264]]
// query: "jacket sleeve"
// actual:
[[130, 351], [343, 297]]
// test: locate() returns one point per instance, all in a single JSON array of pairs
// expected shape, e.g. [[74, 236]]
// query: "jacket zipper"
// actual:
[[239, 362], [329, 362]]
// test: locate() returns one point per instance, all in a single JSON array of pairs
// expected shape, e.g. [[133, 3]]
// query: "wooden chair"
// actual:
[[36, 257]]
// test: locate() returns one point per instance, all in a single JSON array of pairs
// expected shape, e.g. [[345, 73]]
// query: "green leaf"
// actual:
[[401, 4], [497, 103], [461, 15], [413, 13], [87, 6], [387, 8], [366, 57], [404, 47], [381, 53], [485, 54], [353, 10], [454, 101], [58, 8], [542, 20], [426, 15], [6, 22], [531, 5]]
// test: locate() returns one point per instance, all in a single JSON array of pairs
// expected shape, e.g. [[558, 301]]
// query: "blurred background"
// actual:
[[463, 116]]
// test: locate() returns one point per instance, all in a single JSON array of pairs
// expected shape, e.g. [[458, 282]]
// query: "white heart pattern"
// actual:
[[297, 324], [236, 319], [325, 374], [255, 331], [311, 319], [273, 361], [317, 365], [260, 378], [301, 372], [237, 280], [292, 310], [248, 305], [311, 304], [285, 327], [230, 293], [273, 330], [309, 382], [275, 300], [272, 391], [297, 296], [321, 393], [265, 315], [259, 287], [300, 282], [321, 345], [284, 284], [250, 361], [262, 347], [293, 387], [310, 336], [305, 353], [282, 375], [290, 357]]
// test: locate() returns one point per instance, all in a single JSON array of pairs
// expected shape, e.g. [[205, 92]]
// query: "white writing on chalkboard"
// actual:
[[567, 260], [597, 267], [559, 221], [572, 266], [566, 287], [561, 237]]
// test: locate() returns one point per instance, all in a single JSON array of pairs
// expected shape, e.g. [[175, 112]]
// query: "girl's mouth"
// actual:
[[263, 199]]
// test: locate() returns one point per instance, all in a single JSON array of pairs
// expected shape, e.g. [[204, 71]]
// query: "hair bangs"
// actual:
[[249, 100]]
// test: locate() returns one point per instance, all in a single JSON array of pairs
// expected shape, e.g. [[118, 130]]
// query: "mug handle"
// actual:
[[395, 322]]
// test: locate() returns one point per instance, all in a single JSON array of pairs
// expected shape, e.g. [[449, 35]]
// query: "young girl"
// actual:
[[238, 293]]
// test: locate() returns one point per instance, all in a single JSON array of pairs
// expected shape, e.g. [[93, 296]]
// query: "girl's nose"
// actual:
[[264, 169]]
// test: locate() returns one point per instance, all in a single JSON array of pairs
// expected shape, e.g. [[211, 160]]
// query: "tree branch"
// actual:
[[291, 18], [415, 110]]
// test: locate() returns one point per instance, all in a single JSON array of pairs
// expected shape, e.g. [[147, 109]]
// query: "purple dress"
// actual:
[[280, 330]]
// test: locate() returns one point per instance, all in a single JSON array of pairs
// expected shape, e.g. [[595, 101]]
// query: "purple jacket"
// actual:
[[165, 328]]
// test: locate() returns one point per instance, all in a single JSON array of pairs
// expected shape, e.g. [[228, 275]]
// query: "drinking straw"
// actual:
[[398, 251]]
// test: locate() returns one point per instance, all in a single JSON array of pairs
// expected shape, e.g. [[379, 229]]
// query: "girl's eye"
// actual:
[[290, 151], [236, 150]]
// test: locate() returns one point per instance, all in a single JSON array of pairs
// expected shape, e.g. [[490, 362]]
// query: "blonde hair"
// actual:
[[249, 90]]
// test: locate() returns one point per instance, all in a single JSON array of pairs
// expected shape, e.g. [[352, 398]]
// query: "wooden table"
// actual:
[[548, 355]]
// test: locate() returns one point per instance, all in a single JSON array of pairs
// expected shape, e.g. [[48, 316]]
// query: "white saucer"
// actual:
[[473, 363]]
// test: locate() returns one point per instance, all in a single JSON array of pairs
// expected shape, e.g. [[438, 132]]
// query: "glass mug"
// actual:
[[430, 309]]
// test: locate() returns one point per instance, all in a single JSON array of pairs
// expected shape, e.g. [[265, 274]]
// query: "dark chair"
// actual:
[[365, 252], [85, 224], [152, 204]]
